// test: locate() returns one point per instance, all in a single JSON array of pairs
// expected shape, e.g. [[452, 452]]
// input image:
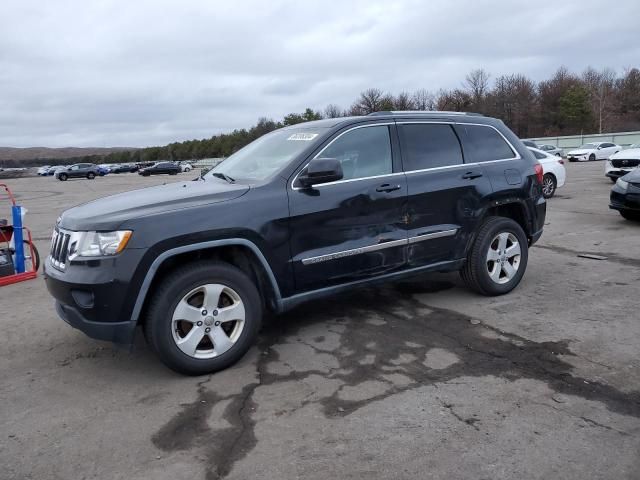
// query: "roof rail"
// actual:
[[423, 112]]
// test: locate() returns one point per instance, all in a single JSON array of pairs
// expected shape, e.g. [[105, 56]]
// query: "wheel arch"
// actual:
[[239, 252], [515, 210]]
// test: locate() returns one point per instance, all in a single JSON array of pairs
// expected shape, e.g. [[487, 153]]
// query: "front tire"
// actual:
[[549, 185], [592, 157], [498, 257], [203, 317], [63, 177]]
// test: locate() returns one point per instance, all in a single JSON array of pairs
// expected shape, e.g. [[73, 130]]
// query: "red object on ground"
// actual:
[[5, 236]]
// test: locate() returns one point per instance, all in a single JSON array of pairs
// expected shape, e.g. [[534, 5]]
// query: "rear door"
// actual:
[[444, 192], [351, 229]]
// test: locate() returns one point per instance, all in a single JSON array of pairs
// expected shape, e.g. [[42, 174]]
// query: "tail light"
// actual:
[[561, 161], [539, 172]]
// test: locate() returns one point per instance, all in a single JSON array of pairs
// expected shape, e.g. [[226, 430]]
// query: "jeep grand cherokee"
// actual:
[[303, 212]]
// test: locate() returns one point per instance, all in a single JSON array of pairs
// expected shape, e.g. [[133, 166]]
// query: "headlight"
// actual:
[[97, 244], [622, 184]]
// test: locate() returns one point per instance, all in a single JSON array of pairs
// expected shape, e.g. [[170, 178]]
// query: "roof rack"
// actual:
[[423, 112]]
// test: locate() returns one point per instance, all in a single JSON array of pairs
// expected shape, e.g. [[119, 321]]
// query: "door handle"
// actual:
[[386, 188], [472, 174]]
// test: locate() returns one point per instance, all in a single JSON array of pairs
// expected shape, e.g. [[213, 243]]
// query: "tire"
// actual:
[[549, 185], [63, 177], [163, 333], [633, 216], [476, 271], [187, 169], [173, 173], [91, 175], [592, 157]]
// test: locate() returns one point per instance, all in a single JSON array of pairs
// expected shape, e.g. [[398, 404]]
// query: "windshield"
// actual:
[[267, 155], [589, 145]]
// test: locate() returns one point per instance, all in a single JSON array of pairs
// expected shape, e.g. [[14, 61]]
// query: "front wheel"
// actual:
[[592, 157], [203, 317], [63, 177], [498, 257], [549, 185]]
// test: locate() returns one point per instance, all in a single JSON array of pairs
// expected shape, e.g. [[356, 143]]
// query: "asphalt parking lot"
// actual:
[[419, 379]]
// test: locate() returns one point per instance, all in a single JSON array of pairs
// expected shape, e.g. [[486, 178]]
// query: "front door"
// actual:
[[353, 228], [444, 192]]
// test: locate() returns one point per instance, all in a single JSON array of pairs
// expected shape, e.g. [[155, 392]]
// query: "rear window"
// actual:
[[486, 144], [427, 145], [538, 155]]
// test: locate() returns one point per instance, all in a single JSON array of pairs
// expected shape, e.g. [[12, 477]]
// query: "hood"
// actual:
[[633, 176], [109, 213], [629, 154], [581, 151]]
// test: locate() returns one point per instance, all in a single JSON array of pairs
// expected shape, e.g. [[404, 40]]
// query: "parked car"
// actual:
[[530, 143], [160, 168], [42, 171], [125, 168], [303, 212], [621, 163], [593, 151], [104, 170], [552, 149], [79, 170], [52, 170], [625, 196], [185, 167], [554, 172]]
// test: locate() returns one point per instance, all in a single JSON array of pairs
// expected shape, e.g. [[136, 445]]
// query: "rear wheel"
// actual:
[[91, 175], [203, 318], [549, 185], [498, 257], [627, 215]]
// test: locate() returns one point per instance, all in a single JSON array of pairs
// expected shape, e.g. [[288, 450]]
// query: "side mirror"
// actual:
[[599, 148], [321, 170]]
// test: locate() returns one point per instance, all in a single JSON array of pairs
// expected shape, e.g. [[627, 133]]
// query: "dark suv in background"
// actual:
[[303, 212], [79, 170], [160, 168]]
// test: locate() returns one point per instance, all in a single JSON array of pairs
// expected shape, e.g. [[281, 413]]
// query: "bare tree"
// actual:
[[370, 101], [476, 83], [403, 101], [332, 111], [600, 85], [424, 100]]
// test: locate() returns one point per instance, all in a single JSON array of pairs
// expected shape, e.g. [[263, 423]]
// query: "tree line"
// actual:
[[595, 101]]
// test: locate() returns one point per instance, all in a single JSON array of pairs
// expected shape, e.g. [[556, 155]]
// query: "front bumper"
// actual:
[[625, 199], [96, 296]]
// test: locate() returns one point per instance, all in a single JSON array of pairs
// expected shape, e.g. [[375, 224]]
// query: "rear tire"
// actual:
[[549, 185], [192, 287], [498, 257], [91, 175]]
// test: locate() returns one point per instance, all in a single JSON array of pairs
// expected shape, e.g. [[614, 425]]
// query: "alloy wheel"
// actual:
[[503, 257]]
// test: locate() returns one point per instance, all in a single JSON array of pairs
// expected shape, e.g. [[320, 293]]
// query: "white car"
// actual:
[[593, 151], [186, 167], [43, 170], [552, 149], [621, 163], [553, 170]]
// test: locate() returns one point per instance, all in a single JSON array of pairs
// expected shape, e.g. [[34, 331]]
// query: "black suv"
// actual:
[[160, 168], [303, 212], [79, 170]]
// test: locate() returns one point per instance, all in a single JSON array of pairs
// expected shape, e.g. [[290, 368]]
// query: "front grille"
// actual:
[[59, 249], [625, 163]]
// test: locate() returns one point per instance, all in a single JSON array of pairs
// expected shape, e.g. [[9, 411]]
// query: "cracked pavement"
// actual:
[[414, 379]]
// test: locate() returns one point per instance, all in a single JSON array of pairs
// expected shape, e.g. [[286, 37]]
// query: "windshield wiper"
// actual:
[[223, 176]]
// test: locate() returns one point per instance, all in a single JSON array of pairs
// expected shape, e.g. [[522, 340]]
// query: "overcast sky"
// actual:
[[138, 73]]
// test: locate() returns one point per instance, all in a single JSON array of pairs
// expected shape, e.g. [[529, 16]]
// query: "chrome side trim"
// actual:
[[431, 236], [353, 251], [378, 246]]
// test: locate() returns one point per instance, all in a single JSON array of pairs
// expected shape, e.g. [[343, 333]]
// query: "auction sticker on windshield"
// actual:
[[304, 137]]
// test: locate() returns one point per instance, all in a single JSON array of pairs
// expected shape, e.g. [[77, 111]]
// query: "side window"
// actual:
[[427, 145], [74, 167], [487, 144], [538, 155], [607, 145], [363, 152]]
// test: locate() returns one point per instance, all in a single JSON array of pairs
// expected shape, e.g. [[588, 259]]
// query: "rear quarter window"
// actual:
[[485, 144]]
